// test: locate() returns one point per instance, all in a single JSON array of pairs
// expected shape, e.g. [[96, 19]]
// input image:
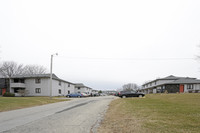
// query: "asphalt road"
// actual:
[[80, 115]]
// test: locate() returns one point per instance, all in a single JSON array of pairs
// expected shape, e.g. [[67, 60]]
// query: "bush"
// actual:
[[190, 91], [8, 94]]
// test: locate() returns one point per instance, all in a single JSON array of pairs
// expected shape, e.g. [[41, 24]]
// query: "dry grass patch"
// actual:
[[119, 120], [11, 103], [174, 113]]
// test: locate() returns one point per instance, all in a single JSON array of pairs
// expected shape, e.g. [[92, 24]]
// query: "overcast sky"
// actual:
[[103, 43]]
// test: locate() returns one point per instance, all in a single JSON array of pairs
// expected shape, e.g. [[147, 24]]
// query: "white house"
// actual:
[[172, 84], [39, 85], [81, 88]]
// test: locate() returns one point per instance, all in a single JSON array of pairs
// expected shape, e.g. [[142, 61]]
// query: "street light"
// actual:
[[51, 73]]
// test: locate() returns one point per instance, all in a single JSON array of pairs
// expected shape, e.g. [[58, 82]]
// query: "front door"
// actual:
[[181, 88], [3, 91]]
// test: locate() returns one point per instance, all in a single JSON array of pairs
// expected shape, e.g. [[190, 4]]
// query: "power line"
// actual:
[[131, 59]]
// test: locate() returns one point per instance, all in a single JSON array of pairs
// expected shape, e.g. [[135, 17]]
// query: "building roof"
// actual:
[[35, 76], [40, 76], [172, 77], [176, 80], [185, 81], [81, 85]]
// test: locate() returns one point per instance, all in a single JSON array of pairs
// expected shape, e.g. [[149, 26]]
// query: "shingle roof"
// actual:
[[177, 80], [172, 77], [185, 81]]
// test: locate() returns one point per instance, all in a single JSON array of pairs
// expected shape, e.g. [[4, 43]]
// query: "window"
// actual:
[[59, 83], [68, 85], [190, 86], [19, 81], [38, 80], [79, 88], [37, 90], [59, 91]]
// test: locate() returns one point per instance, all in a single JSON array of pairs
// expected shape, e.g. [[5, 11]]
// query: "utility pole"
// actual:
[[51, 67]]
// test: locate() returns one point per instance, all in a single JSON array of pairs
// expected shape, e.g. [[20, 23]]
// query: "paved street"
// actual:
[[80, 115]]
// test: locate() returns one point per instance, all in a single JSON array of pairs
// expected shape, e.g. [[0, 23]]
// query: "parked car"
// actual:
[[124, 94], [74, 95], [117, 94], [94, 94], [84, 94]]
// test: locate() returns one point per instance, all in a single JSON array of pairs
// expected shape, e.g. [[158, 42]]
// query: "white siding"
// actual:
[[31, 86], [197, 87], [44, 85], [164, 81]]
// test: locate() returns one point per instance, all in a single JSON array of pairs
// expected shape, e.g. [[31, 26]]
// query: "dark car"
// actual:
[[124, 94], [74, 95]]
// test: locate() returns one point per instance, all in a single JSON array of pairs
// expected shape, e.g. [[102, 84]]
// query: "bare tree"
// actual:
[[130, 86], [34, 69], [10, 68]]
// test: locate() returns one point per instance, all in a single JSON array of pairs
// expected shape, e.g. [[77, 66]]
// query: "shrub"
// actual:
[[190, 91], [8, 94]]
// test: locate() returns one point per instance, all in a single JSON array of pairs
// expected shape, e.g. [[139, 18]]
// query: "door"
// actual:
[[181, 88], [3, 91]]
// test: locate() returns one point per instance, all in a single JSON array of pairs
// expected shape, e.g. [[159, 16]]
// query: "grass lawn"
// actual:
[[11, 103], [156, 113]]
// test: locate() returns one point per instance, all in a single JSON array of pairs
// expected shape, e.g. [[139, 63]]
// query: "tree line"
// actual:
[[11, 68]]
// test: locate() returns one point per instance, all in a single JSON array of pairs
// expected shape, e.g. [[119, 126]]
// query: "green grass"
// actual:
[[156, 113], [11, 103]]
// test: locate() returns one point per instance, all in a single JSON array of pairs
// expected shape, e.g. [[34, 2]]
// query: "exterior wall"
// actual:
[[44, 85], [63, 87], [155, 83], [195, 87], [69, 88], [155, 90], [83, 90], [163, 81]]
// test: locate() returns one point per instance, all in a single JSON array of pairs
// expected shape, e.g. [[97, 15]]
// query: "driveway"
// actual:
[[80, 115]]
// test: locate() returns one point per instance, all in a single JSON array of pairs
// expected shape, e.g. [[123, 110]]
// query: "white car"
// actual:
[[85, 95]]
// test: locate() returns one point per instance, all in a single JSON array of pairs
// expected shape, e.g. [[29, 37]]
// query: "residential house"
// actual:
[[172, 84], [81, 88], [39, 85]]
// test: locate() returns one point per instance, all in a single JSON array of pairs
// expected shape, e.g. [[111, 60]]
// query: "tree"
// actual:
[[130, 87], [100, 92], [34, 69], [10, 68]]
